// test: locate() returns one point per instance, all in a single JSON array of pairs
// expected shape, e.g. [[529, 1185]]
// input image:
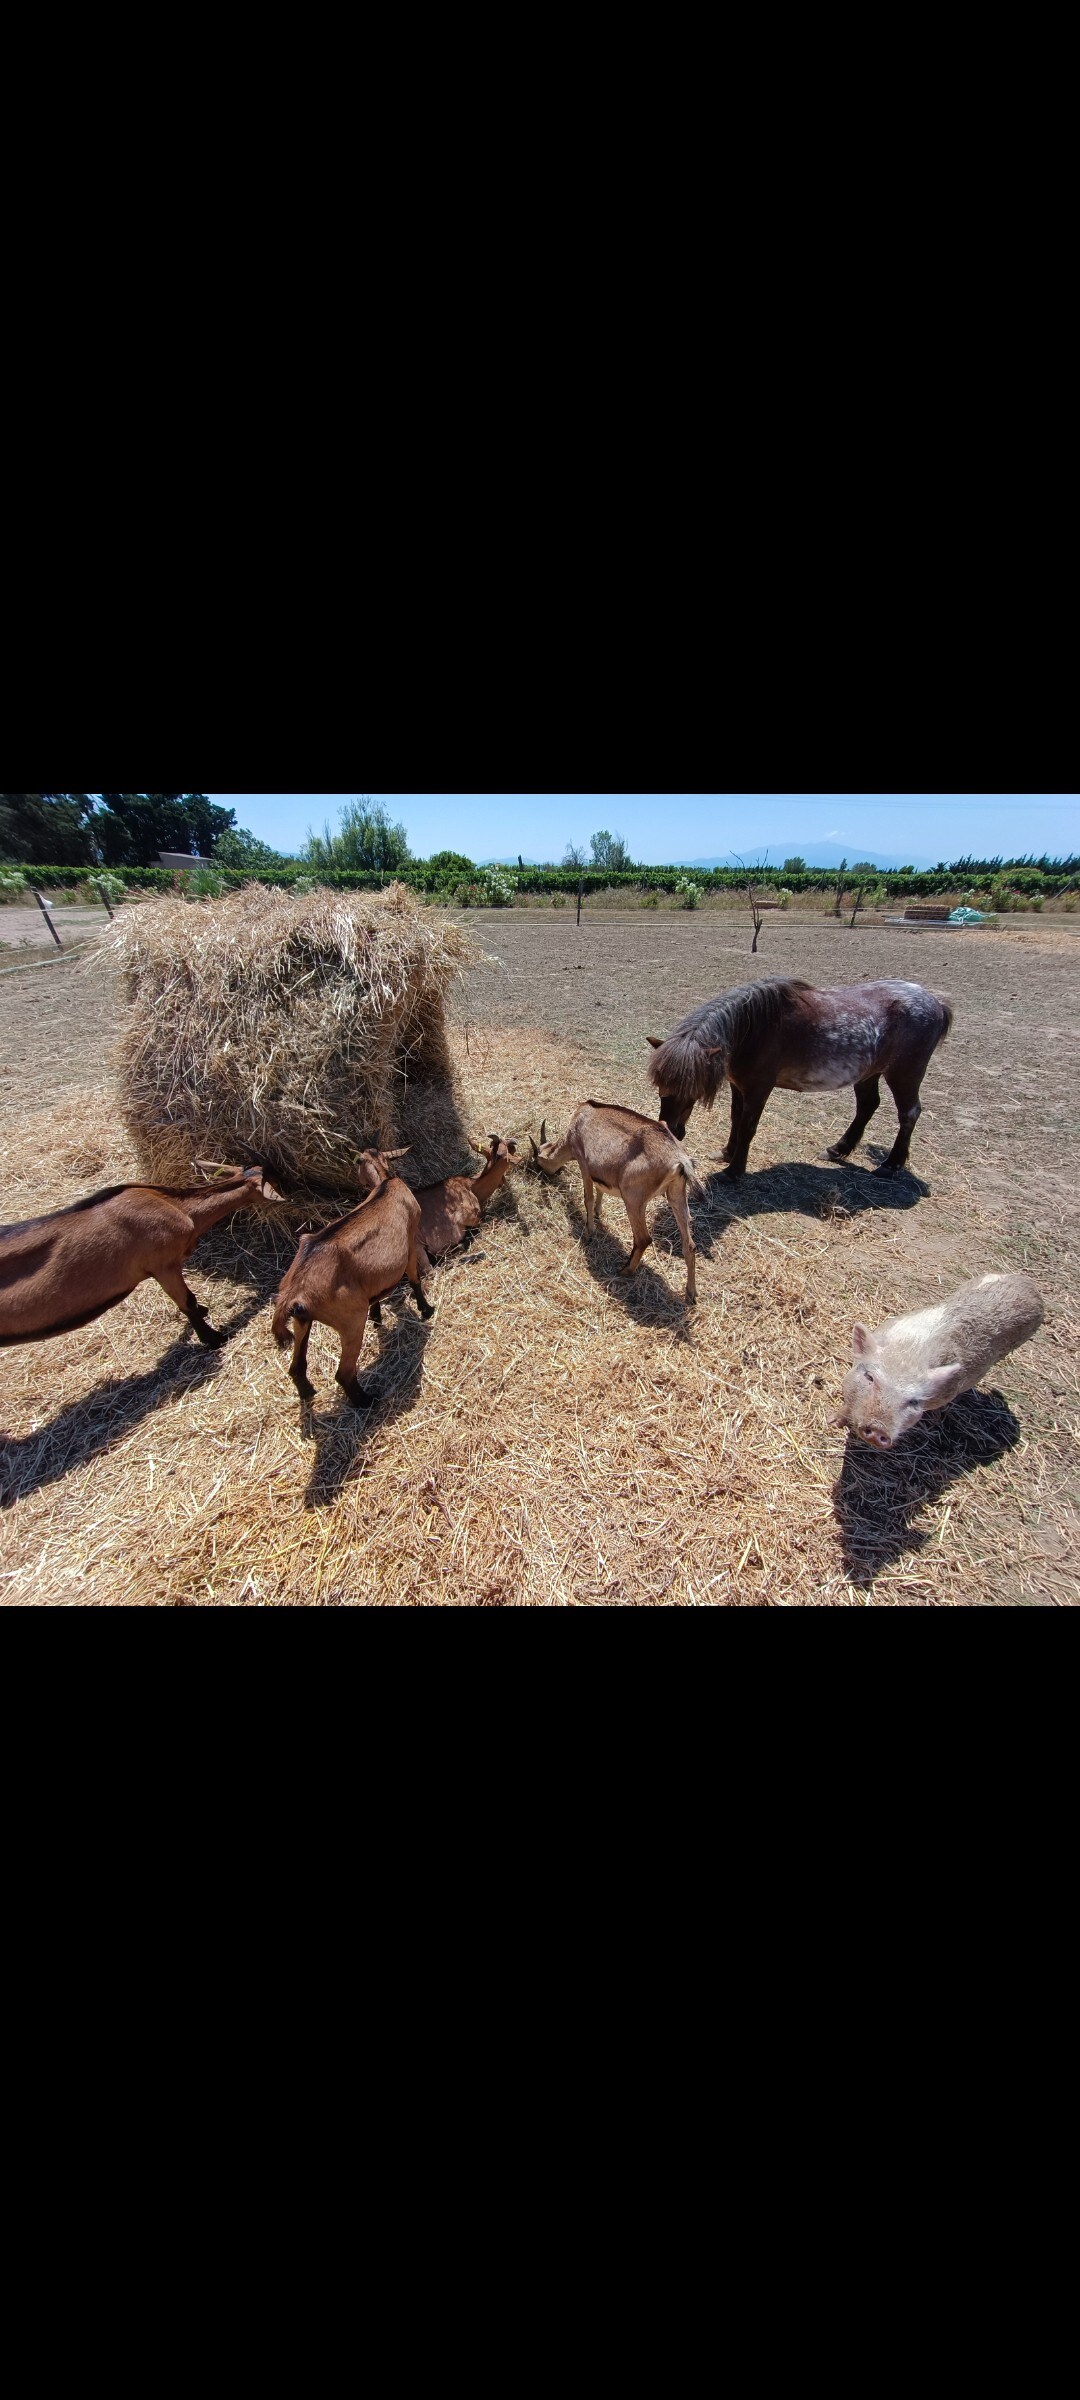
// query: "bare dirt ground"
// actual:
[[22, 928], [554, 1435]]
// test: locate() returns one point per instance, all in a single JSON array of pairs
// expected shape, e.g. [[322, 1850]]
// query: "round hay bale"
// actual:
[[290, 1031]]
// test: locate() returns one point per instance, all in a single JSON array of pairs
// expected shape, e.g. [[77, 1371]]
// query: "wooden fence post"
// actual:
[[46, 911]]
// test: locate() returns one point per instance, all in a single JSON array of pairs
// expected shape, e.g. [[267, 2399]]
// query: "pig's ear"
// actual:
[[862, 1342], [838, 1418], [941, 1385]]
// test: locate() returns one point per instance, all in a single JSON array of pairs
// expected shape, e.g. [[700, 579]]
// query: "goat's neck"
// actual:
[[209, 1208], [489, 1179]]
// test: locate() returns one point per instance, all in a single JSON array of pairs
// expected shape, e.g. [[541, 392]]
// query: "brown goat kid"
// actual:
[[62, 1271], [620, 1151], [339, 1276], [450, 1211]]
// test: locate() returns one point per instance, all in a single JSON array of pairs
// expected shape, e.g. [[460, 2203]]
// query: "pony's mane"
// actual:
[[683, 1064]]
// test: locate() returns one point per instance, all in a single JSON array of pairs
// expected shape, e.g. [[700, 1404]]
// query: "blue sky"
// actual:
[[666, 827]]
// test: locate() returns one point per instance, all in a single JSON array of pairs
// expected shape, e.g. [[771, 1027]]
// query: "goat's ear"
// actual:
[[512, 1147], [398, 1153], [862, 1342], [654, 1041], [269, 1190]]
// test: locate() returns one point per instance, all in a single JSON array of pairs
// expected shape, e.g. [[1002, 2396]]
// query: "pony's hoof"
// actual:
[[210, 1338], [305, 1391], [841, 1156]]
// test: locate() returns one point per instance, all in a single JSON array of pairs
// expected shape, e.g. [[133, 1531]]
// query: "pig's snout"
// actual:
[[877, 1441]]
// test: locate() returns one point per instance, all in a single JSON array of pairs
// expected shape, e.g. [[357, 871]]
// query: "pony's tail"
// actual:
[[946, 1010]]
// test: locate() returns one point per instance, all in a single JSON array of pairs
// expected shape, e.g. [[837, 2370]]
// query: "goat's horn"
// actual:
[[543, 1129], [533, 1148]]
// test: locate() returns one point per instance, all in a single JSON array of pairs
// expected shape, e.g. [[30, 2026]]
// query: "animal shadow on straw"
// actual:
[[251, 1250], [84, 1429], [340, 1431], [796, 1188], [645, 1296], [877, 1492]]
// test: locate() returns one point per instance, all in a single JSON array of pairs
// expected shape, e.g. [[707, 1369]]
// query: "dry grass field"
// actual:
[[555, 1436]]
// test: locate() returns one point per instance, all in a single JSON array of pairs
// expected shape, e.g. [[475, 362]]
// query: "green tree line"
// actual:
[[78, 831]]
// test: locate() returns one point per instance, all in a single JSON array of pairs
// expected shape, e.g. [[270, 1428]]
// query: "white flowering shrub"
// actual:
[[498, 886], [111, 887]]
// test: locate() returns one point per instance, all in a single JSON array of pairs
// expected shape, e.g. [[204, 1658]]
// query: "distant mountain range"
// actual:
[[816, 854]]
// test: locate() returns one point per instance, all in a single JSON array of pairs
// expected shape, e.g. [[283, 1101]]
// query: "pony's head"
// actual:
[[683, 1072]]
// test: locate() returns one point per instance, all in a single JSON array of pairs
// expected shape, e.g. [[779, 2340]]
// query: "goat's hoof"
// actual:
[[210, 1338], [359, 1397], [424, 1309], [305, 1391]]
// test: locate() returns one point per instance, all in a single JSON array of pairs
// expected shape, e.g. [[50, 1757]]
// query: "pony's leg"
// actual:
[[732, 1143], [904, 1086], [867, 1098], [754, 1098]]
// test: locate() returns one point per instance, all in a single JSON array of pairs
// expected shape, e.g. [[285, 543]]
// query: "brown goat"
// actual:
[[449, 1211], [620, 1151], [340, 1275], [61, 1271]]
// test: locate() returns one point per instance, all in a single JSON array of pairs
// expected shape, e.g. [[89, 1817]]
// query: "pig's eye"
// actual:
[[911, 1404], [866, 1371]]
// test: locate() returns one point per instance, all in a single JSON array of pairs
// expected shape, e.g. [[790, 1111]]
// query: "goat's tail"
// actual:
[[279, 1324], [694, 1181]]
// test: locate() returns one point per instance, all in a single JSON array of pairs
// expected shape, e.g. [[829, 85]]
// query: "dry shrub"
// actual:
[[290, 1031]]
